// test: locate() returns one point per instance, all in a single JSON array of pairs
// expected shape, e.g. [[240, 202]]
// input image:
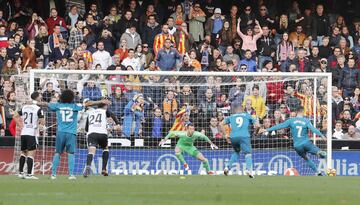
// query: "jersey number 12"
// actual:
[[66, 115]]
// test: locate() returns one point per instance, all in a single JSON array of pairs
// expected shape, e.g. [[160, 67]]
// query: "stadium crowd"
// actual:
[[193, 36]]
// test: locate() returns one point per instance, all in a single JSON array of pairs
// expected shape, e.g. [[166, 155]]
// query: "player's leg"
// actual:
[[314, 150], [23, 155], [301, 151], [31, 147], [234, 156], [91, 143], [59, 148], [70, 149], [105, 155], [204, 160], [179, 155], [246, 148]]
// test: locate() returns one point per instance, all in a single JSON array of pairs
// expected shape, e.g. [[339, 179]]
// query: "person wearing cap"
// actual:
[[214, 24]]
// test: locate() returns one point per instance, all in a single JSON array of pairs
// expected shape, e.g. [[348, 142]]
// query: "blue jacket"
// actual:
[[156, 127], [251, 65], [166, 60], [57, 55], [92, 93], [129, 117]]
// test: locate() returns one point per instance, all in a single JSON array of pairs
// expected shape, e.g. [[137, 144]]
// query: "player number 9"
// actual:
[[239, 121]]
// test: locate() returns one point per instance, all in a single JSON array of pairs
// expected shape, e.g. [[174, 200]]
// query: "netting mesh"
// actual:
[[168, 102]]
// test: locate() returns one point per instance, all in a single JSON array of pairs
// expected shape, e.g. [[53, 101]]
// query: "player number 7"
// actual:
[[299, 129]]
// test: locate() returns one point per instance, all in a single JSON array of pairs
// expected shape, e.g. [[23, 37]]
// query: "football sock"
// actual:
[[249, 164], [30, 165], [234, 158], [71, 163], [55, 163], [312, 165], [105, 158], [206, 165], [89, 159], [22, 163], [181, 158]]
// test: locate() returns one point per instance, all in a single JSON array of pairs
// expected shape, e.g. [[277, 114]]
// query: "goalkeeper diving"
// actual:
[[186, 144], [299, 126]]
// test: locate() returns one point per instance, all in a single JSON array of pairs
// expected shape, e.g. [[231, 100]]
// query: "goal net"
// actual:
[[170, 98]]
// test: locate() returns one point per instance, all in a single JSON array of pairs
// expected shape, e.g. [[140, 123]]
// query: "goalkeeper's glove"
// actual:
[[213, 146], [161, 143]]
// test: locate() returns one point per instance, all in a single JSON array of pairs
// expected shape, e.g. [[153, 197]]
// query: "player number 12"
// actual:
[[66, 115]]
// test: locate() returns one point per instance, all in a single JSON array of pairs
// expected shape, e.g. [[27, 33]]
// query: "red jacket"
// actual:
[[12, 127], [51, 22], [277, 88]]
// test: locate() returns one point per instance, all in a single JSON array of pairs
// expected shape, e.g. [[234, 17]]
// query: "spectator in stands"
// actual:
[[257, 102], [161, 38], [292, 102], [170, 103], [34, 25], [167, 57], [118, 102], [49, 92], [73, 17], [214, 25], [150, 30], [76, 35], [132, 61], [230, 55], [125, 22], [207, 106], [249, 39], [157, 124], [197, 17], [284, 48], [97, 15], [101, 56], [249, 62], [54, 38], [133, 115], [214, 130], [321, 25], [13, 49], [53, 21], [10, 108], [29, 55], [122, 51], [91, 91], [266, 47], [297, 37], [131, 37], [3, 37], [183, 39], [61, 52], [346, 120], [352, 134], [349, 78]]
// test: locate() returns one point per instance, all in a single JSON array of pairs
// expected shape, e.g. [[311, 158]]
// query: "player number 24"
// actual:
[[66, 115]]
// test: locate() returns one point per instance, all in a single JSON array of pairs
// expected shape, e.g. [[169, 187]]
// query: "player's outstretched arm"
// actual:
[[95, 103], [279, 126], [171, 134]]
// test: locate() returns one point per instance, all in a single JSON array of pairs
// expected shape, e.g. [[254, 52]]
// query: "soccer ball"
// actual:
[[331, 172], [291, 172]]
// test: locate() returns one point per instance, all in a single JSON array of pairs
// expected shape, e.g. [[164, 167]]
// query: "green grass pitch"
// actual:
[[171, 190]]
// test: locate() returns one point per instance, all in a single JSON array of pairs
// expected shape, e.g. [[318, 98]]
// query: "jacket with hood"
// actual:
[[132, 40]]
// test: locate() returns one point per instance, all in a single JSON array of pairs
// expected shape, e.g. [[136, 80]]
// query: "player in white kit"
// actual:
[[97, 135], [32, 116]]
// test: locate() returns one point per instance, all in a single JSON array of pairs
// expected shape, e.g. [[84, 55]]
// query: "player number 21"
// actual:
[[239, 121], [66, 115]]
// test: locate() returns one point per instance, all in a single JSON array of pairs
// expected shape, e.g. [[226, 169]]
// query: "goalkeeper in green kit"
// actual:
[[186, 144]]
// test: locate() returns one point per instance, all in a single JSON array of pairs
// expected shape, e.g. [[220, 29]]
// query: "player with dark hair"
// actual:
[[186, 144], [299, 127], [97, 135], [32, 116], [66, 113], [240, 138]]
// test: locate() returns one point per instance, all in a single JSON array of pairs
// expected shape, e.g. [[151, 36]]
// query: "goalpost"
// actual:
[[208, 97]]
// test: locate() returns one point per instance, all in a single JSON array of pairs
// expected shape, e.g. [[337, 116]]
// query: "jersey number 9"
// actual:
[[239, 121]]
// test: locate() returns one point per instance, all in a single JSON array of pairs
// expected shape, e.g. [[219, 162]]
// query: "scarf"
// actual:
[[56, 40], [181, 47]]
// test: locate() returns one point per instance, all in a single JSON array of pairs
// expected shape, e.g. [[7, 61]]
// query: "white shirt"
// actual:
[[30, 115], [97, 121], [103, 58], [133, 62]]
